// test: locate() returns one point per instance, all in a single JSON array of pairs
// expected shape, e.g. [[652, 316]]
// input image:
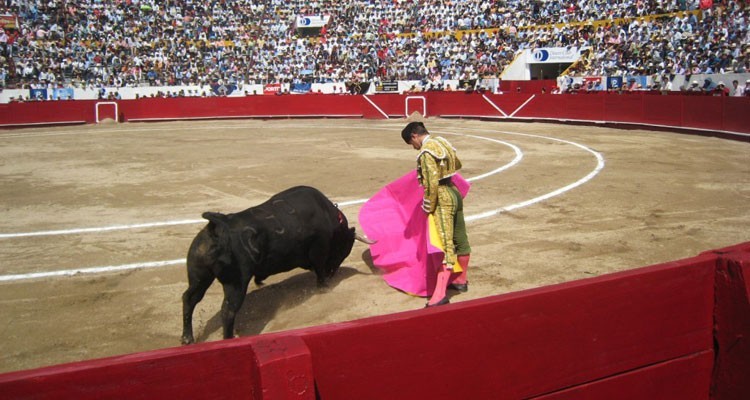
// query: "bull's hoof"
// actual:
[[187, 340]]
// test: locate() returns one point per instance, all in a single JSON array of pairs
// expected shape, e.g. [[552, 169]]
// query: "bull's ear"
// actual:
[[217, 222], [216, 218], [218, 227]]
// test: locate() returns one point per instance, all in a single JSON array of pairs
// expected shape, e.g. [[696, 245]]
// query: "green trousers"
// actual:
[[449, 218]]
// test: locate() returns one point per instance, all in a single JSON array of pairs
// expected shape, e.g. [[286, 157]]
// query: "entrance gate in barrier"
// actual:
[[105, 103], [415, 98]]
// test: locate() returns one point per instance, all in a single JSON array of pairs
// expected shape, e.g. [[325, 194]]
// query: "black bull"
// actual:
[[298, 227]]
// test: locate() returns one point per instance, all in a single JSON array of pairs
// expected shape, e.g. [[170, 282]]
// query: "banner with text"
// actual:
[[553, 55], [272, 88], [311, 21]]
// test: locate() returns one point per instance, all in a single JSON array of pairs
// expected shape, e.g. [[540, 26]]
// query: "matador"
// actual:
[[437, 162]]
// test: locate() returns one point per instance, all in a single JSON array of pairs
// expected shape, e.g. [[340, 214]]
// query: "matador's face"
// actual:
[[416, 141]]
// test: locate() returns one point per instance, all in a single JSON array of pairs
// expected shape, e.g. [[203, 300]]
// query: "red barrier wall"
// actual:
[[533, 86], [707, 114], [672, 331], [531, 343], [731, 378]]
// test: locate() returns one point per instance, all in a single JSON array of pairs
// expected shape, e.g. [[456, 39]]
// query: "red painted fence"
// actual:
[[715, 115], [679, 330]]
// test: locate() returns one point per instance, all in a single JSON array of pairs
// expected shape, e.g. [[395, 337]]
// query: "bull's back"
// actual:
[[299, 206], [304, 198], [293, 220]]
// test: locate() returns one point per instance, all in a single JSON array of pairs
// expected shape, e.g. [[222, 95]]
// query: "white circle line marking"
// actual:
[[155, 264], [75, 231], [599, 166], [92, 270], [100, 229]]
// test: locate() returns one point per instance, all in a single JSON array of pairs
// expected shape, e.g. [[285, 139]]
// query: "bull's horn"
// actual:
[[364, 239]]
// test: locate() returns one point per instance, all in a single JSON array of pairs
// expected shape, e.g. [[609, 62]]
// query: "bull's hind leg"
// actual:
[[234, 295], [198, 283]]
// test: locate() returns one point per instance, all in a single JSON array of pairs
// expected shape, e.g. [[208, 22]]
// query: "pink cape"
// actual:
[[394, 218]]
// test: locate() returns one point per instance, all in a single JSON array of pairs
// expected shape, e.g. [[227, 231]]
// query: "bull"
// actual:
[[299, 227]]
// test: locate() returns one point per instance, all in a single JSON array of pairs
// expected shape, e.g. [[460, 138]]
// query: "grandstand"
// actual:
[[129, 49]]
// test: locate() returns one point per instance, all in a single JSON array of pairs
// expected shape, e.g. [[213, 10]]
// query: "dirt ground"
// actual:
[[560, 214]]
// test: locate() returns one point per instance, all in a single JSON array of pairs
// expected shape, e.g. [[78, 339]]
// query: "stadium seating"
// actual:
[[87, 43]]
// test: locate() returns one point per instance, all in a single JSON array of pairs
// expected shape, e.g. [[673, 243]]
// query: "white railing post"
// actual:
[[424, 104], [104, 103]]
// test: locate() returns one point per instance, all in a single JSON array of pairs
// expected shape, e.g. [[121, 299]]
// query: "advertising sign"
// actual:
[[38, 94], [614, 82], [311, 21], [62, 94], [298, 88], [390, 87], [8, 21], [553, 55], [272, 88]]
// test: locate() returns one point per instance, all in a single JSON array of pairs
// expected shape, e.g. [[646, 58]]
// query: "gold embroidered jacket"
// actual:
[[437, 160]]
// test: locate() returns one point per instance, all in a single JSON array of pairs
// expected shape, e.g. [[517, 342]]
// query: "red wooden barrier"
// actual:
[[731, 378], [531, 343], [650, 333], [261, 367], [705, 113], [669, 110]]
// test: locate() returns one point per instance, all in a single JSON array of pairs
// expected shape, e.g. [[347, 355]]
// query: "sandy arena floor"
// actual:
[[549, 203]]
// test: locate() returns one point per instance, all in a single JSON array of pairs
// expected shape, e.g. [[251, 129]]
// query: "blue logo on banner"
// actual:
[[639, 80], [541, 55], [306, 22], [222, 89], [62, 94], [614, 82], [301, 87], [38, 94]]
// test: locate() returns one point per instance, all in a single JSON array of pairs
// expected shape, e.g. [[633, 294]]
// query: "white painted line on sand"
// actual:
[[99, 229], [155, 264], [92, 270]]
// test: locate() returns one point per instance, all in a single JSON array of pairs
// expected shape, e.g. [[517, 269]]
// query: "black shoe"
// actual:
[[444, 300], [461, 287]]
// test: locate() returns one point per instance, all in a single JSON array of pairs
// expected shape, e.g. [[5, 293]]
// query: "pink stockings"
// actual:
[[438, 296], [460, 278], [446, 276]]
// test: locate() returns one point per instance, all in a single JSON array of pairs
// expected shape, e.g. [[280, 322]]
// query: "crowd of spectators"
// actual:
[[94, 43]]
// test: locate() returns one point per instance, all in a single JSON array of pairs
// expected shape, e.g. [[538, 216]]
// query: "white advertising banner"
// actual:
[[553, 55], [312, 21]]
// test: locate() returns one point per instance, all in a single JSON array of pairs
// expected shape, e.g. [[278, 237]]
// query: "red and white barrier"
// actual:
[[720, 116]]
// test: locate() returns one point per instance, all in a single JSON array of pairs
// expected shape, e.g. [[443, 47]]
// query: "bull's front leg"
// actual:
[[234, 295], [318, 260]]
